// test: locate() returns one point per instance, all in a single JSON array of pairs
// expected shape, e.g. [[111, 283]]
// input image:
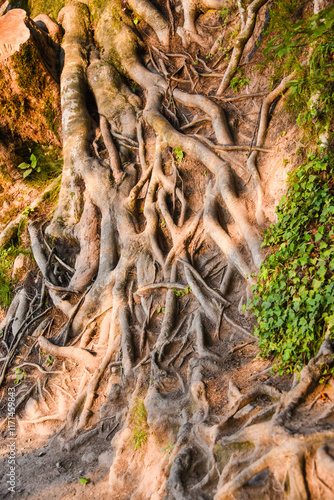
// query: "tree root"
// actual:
[[245, 33], [79, 356], [129, 219]]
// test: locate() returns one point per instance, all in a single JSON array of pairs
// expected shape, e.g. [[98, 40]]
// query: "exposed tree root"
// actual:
[[127, 260], [247, 27]]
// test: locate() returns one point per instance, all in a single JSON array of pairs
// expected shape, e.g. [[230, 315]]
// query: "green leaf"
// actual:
[[33, 160], [23, 166], [27, 172], [84, 480], [49, 360], [178, 154]]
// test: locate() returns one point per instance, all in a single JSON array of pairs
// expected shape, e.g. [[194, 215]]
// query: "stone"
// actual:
[[88, 457], [106, 459]]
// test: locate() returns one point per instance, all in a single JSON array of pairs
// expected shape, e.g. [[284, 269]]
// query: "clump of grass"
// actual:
[[140, 427], [7, 257]]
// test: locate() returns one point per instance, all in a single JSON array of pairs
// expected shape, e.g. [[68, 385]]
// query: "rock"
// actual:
[[19, 264], [32, 410], [46, 24], [13, 32], [29, 89], [106, 459], [105, 410], [114, 392], [88, 457]]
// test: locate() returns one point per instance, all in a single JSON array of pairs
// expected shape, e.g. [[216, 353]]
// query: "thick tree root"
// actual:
[[137, 239]]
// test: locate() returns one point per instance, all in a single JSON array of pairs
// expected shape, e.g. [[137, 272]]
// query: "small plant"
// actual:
[[187, 289], [179, 154], [49, 360], [178, 293], [227, 9], [234, 34], [140, 427], [84, 481], [169, 448], [238, 82], [20, 375], [224, 13], [30, 167], [27, 211], [160, 309], [135, 21], [163, 223]]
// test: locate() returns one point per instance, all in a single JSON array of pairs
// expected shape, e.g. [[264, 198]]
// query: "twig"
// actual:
[[179, 80], [112, 430], [125, 138], [18, 340], [63, 390], [58, 259], [194, 122], [259, 374], [255, 129], [35, 365], [185, 355], [170, 16], [221, 147], [185, 339], [240, 346], [206, 286], [241, 97]]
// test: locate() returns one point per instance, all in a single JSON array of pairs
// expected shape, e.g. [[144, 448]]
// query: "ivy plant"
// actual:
[[294, 295]]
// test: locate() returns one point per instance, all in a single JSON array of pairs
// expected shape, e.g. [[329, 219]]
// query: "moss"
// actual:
[[36, 7], [115, 33], [140, 427], [14, 110], [30, 75], [50, 113], [49, 7], [29, 102], [97, 7]]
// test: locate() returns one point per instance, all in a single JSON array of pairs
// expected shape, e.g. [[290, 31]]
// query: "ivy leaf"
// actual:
[[27, 172], [23, 166], [33, 160]]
